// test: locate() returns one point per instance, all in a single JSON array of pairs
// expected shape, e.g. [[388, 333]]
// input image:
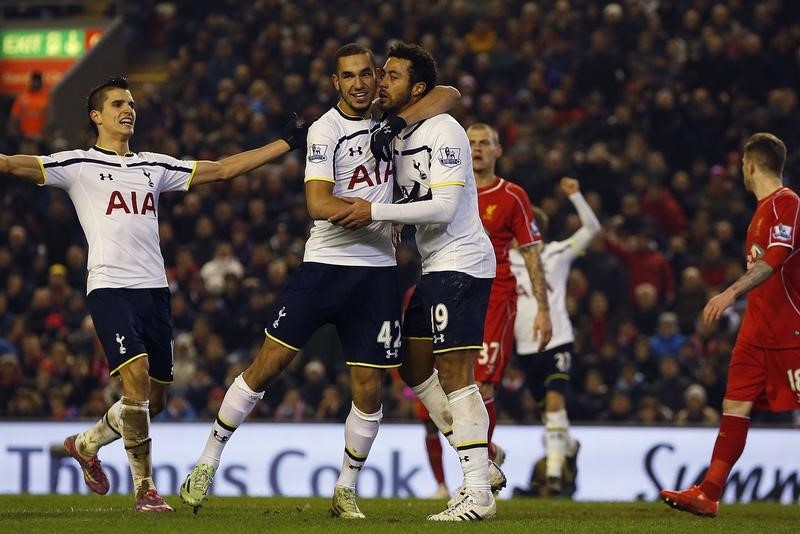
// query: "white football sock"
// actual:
[[433, 397], [107, 430], [471, 428], [238, 403], [557, 441], [135, 417], [360, 430]]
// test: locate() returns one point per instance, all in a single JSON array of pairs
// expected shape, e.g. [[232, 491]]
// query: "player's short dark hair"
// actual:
[[768, 152], [98, 95], [351, 49], [423, 65]]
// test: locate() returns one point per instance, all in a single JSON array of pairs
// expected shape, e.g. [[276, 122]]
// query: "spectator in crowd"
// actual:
[[29, 110], [696, 411], [687, 83]]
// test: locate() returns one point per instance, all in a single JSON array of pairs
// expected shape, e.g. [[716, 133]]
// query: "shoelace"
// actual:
[[350, 500], [459, 507], [93, 466], [201, 481]]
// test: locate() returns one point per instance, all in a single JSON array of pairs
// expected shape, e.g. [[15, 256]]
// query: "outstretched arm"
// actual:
[[22, 166], [233, 166], [294, 136], [542, 328]]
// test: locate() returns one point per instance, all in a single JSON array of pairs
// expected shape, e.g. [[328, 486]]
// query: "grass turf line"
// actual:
[[114, 513]]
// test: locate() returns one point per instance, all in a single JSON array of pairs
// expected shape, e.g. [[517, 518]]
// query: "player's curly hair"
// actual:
[[423, 65], [768, 151], [98, 95]]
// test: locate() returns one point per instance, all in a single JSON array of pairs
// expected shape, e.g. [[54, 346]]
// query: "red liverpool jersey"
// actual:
[[506, 215], [772, 318]]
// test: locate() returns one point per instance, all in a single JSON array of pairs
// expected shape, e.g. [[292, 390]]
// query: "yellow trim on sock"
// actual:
[[226, 423], [471, 443], [354, 455]]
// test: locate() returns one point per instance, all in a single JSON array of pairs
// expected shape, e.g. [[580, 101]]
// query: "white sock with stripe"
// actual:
[[556, 439], [470, 429], [360, 430], [107, 430], [433, 397], [236, 406]]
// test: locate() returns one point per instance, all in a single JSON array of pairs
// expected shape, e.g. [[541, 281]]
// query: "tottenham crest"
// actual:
[[450, 157], [317, 153]]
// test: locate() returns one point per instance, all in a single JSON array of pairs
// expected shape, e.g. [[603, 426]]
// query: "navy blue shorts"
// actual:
[[363, 303], [133, 323], [548, 370], [449, 307]]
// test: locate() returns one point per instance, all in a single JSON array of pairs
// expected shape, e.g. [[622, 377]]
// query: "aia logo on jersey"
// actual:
[[317, 153], [755, 254], [129, 205], [362, 176], [782, 232]]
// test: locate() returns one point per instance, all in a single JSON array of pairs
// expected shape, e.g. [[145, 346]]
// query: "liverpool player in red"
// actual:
[[506, 214], [764, 371]]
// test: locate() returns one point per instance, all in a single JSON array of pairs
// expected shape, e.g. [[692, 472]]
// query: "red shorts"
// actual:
[[770, 378], [498, 341]]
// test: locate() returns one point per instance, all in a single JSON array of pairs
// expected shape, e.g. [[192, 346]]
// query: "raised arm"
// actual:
[[590, 226], [22, 166]]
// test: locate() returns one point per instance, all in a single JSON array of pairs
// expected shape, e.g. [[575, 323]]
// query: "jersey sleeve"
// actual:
[[321, 142], [449, 155], [176, 174], [523, 223], [61, 169], [783, 231]]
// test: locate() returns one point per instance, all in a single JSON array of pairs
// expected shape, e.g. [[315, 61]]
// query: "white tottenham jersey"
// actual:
[[557, 257], [435, 153], [116, 199], [338, 152]]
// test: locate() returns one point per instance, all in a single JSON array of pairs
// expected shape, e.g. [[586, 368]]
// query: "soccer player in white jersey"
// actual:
[[347, 278], [444, 320], [547, 371], [115, 193]]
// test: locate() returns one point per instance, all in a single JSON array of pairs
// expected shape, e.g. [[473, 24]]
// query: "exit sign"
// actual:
[[42, 44]]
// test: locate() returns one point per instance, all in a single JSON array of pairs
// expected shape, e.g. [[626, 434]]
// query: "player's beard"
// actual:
[[395, 106]]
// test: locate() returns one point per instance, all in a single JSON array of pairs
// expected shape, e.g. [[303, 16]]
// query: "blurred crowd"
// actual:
[[647, 102]]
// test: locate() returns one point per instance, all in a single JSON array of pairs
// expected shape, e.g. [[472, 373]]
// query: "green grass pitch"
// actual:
[[21, 514]]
